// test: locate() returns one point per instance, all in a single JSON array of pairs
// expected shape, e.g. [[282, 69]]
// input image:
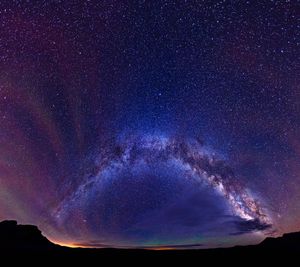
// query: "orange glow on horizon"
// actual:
[[71, 245]]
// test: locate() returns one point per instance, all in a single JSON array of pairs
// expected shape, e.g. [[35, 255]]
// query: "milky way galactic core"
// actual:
[[150, 124]]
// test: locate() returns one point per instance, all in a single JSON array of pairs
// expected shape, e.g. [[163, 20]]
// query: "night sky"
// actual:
[[151, 123]]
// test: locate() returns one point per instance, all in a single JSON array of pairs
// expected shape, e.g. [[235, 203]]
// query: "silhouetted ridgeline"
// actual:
[[27, 240]]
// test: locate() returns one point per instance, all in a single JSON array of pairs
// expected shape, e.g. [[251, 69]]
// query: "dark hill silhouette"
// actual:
[[22, 237], [27, 240]]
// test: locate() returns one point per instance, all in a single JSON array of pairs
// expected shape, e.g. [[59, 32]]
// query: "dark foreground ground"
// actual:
[[20, 242]]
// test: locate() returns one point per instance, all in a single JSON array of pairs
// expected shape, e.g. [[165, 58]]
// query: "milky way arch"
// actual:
[[199, 164]]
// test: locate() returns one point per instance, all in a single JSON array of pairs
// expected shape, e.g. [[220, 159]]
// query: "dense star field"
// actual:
[[151, 123]]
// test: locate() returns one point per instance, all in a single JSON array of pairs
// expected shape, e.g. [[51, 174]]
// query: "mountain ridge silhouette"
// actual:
[[28, 240]]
